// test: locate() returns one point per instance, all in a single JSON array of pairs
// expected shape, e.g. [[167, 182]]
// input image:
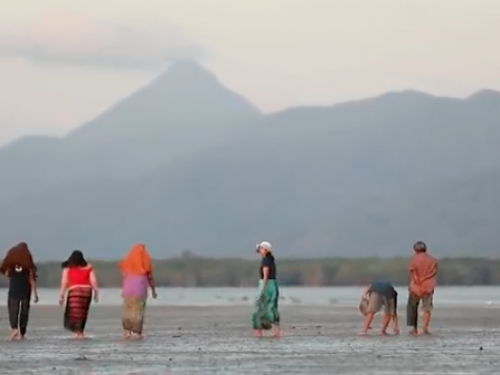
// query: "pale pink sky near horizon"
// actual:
[[62, 63]]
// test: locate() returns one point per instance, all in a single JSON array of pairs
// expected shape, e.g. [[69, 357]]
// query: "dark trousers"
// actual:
[[412, 311], [19, 312]]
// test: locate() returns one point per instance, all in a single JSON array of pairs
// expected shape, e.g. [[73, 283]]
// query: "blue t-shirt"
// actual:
[[383, 288]]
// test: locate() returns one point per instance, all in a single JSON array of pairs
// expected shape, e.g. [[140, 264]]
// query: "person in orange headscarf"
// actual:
[[137, 271]]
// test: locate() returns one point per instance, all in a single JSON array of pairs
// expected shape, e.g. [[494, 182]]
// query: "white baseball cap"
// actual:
[[264, 245]]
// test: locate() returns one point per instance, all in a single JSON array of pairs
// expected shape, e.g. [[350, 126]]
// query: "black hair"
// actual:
[[76, 259]]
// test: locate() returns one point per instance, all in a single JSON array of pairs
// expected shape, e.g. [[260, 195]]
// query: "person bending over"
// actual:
[[381, 294]]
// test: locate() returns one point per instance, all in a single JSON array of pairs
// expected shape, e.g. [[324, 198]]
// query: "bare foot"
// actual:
[[139, 336], [413, 332], [396, 331], [425, 331], [14, 334], [363, 333], [79, 335], [276, 332], [257, 332], [127, 334], [383, 333]]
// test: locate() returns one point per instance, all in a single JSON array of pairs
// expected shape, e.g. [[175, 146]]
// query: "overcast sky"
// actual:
[[62, 62]]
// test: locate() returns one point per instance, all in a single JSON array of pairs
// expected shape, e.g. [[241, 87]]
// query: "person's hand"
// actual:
[[61, 299], [153, 294], [96, 297], [35, 298], [417, 290]]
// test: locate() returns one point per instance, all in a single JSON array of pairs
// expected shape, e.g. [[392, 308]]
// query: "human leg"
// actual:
[[259, 321], [13, 306], [387, 303], [24, 314], [395, 318], [126, 317], [374, 304], [390, 313], [412, 312], [133, 316], [273, 309], [266, 315], [427, 306], [77, 307]]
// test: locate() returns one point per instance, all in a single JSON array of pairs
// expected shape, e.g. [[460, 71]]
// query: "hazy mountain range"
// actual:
[[185, 163]]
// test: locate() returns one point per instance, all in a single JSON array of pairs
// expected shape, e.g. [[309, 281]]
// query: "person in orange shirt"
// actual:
[[423, 271]]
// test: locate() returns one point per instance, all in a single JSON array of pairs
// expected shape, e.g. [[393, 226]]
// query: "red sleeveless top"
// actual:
[[79, 276]]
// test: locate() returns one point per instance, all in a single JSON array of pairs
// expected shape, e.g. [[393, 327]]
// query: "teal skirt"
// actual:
[[266, 307]]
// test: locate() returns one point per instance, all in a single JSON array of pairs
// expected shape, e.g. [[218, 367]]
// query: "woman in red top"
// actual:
[[78, 285]]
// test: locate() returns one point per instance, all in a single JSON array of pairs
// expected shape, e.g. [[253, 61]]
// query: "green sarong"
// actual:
[[266, 307]]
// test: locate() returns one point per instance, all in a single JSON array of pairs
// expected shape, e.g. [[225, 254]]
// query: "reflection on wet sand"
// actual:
[[218, 340]]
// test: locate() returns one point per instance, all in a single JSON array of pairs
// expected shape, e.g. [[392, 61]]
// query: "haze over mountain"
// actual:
[[187, 163], [181, 112]]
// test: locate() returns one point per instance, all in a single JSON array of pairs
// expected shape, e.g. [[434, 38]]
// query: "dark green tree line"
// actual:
[[193, 271]]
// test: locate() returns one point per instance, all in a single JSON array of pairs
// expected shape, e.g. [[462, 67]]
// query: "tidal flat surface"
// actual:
[[217, 340]]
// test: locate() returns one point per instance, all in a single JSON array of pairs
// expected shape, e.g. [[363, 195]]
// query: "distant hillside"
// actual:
[[183, 111], [368, 177]]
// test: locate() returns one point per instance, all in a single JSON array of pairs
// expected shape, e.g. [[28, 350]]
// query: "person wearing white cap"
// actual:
[[266, 315]]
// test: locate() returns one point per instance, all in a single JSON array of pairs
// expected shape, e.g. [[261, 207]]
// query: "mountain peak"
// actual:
[[187, 86], [191, 68], [186, 93], [187, 73]]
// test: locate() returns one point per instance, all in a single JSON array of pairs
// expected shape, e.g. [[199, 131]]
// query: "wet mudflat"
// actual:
[[217, 340]]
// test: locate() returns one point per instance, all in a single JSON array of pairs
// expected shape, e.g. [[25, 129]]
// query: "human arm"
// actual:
[[34, 288], [4, 269], [415, 277], [265, 278], [94, 284], [63, 287], [433, 272], [415, 280], [152, 285]]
